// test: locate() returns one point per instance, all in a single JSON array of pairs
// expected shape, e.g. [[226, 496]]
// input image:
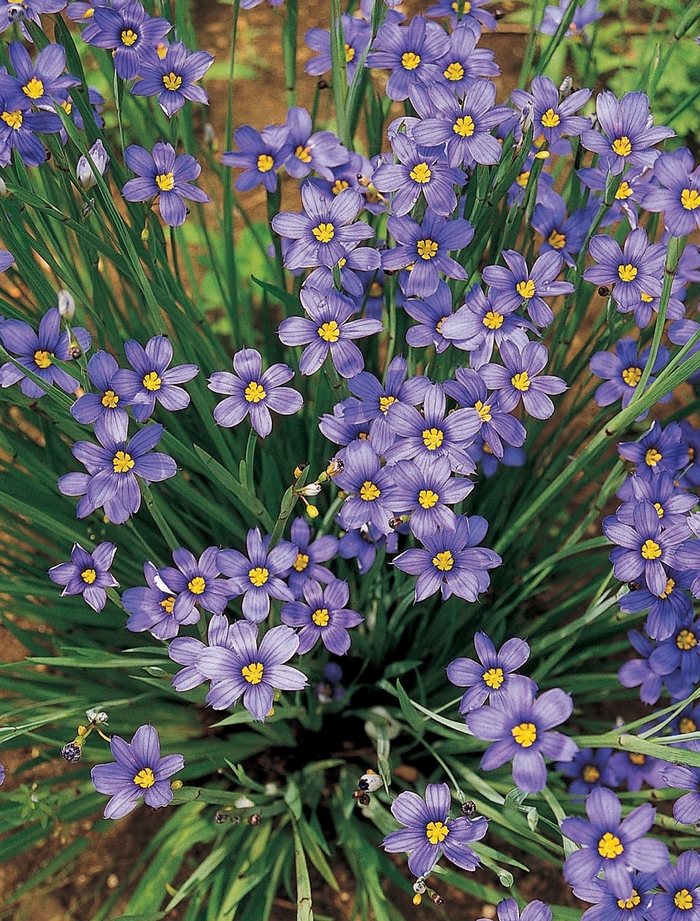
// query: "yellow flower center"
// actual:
[[303, 153], [484, 410], [385, 403], [13, 119], [129, 37], [324, 233], [526, 289], [253, 673], [622, 146], [172, 81], [329, 332], [436, 832], [438, 325], [463, 7], [151, 381], [494, 678], [557, 240], [197, 585], [34, 88], [453, 72], [686, 724], [339, 186], [522, 178], [433, 438], [369, 491], [659, 509], [632, 902], [521, 381], [42, 359], [525, 734], [168, 604], [646, 298], [301, 562], [254, 392], [109, 399], [632, 376], [686, 640], [410, 60], [427, 248], [650, 550], [637, 758], [122, 462], [349, 53], [610, 846], [421, 172], [652, 457], [627, 272], [258, 575], [550, 119], [265, 163], [161, 50], [683, 900], [427, 498], [444, 561], [624, 191], [67, 106], [165, 181], [89, 13], [320, 617], [88, 576], [590, 773], [464, 126], [690, 199], [145, 778], [493, 319]]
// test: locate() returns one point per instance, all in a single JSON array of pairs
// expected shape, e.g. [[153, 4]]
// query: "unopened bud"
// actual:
[[3, 189], [313, 489], [145, 234], [209, 135], [66, 305], [84, 171], [312, 511]]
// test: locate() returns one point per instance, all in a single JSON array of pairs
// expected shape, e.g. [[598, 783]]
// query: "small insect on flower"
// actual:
[[370, 781]]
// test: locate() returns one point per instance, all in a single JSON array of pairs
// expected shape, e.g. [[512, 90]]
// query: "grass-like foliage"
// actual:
[[337, 460]]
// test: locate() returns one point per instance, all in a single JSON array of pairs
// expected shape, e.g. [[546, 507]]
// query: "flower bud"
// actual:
[[84, 171], [72, 753], [66, 305]]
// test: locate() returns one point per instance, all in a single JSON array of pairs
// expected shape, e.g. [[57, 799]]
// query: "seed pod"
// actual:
[[254, 819], [72, 753], [604, 291], [469, 809]]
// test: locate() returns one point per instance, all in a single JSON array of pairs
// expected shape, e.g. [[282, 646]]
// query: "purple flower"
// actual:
[[186, 650], [19, 125], [462, 61], [451, 562], [259, 576], [128, 31], [584, 16], [30, 10], [519, 379], [679, 197], [362, 544], [517, 284], [412, 52], [564, 236], [322, 614], [151, 379], [85, 172], [369, 486], [465, 126], [681, 900], [657, 451], [153, 608], [588, 769], [553, 117], [677, 659], [430, 312], [166, 175], [433, 433], [607, 906], [627, 136], [667, 611], [172, 78], [34, 351], [429, 832], [686, 809], [630, 193], [260, 156], [112, 468], [609, 844], [253, 392], [319, 151], [464, 12], [195, 582], [329, 330], [639, 673], [251, 671], [108, 404], [497, 427], [520, 726], [623, 372], [418, 172], [634, 769], [507, 910], [42, 82], [635, 272], [87, 574], [490, 676], [310, 555], [356, 36], [425, 247], [139, 771], [325, 233], [424, 489]]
